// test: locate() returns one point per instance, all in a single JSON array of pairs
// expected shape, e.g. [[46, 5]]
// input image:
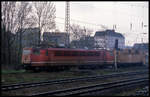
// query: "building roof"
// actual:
[[88, 38], [109, 33], [54, 34], [141, 46], [32, 29]]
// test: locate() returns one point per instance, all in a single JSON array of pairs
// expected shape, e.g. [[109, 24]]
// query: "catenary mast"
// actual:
[[67, 22]]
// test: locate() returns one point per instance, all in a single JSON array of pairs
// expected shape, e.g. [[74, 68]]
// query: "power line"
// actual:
[[60, 23], [79, 21], [84, 22], [128, 4], [135, 16], [94, 24], [134, 5]]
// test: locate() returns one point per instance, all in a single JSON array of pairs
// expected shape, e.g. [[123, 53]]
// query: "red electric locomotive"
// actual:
[[49, 58]]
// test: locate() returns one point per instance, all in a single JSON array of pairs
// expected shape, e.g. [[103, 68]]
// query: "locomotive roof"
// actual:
[[71, 49]]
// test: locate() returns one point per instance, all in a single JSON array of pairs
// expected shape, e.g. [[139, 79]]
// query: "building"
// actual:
[[60, 39], [108, 38], [141, 46], [29, 37]]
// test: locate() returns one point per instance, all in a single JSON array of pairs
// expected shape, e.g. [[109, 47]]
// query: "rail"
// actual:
[[93, 88], [68, 80]]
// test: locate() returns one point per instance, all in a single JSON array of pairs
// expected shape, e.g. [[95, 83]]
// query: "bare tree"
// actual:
[[87, 31], [78, 32], [8, 23], [14, 19], [43, 16], [81, 37], [24, 9]]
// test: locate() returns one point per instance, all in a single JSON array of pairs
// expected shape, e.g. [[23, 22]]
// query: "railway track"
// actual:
[[93, 88], [69, 80]]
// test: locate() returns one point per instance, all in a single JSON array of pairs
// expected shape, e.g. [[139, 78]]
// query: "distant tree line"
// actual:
[[15, 17]]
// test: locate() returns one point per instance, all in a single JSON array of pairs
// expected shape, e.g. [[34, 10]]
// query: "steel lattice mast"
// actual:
[[67, 21]]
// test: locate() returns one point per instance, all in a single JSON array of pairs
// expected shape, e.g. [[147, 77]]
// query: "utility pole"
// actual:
[[130, 26], [142, 26], [105, 40], [67, 21], [116, 53], [142, 33], [115, 59]]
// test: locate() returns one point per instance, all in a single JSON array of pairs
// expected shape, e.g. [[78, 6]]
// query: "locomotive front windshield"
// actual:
[[26, 52]]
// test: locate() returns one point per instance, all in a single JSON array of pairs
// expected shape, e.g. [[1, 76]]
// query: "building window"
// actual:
[[97, 54], [82, 54], [67, 53], [58, 53], [74, 53], [90, 54]]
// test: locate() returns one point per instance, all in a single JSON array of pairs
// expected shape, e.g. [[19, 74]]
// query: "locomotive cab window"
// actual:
[[26, 52]]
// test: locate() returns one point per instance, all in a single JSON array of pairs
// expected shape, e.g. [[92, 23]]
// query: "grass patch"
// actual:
[[112, 70], [12, 71], [129, 92], [15, 76]]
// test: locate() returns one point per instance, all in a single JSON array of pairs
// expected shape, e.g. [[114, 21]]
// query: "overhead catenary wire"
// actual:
[[97, 26]]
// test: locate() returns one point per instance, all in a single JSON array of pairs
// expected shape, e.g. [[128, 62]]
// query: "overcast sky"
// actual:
[[90, 14]]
